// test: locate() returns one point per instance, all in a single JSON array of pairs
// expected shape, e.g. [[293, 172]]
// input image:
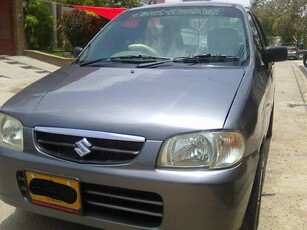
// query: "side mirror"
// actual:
[[77, 51], [274, 54]]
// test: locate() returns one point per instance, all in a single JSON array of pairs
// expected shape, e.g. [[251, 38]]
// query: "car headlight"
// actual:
[[11, 132], [209, 150]]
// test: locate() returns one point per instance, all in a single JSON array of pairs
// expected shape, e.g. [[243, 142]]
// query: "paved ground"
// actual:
[[284, 201], [16, 72]]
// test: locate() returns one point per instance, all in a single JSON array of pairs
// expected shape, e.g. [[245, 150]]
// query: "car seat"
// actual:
[[223, 41]]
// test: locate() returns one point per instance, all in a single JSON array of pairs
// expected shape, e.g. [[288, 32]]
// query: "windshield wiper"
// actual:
[[206, 58], [193, 59], [149, 64], [93, 61], [127, 58], [137, 58]]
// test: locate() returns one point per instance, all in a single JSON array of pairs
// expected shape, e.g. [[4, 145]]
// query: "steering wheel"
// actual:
[[144, 48]]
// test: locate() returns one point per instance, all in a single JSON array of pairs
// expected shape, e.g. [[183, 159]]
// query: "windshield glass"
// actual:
[[171, 32]]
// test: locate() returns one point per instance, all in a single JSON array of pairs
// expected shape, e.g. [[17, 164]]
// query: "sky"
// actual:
[[243, 2]]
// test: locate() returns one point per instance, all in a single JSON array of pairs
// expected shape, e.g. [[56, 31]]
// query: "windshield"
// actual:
[[148, 34]]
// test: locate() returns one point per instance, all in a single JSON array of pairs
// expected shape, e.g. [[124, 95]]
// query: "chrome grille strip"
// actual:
[[130, 206], [125, 198], [115, 150], [61, 144], [87, 133], [147, 213]]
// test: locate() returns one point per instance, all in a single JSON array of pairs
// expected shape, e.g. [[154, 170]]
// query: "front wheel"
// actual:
[[252, 213]]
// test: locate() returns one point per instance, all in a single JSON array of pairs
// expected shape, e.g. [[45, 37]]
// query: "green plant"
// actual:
[[66, 44], [38, 24], [79, 27], [106, 3]]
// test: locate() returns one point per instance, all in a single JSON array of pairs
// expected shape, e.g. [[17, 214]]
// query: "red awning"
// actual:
[[105, 12]]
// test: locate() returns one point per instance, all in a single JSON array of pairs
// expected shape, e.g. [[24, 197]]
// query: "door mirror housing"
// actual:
[[274, 54], [77, 51]]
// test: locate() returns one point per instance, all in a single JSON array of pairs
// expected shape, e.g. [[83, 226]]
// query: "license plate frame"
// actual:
[[50, 190]]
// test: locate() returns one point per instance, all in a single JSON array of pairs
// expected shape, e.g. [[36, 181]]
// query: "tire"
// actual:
[[305, 60], [251, 218]]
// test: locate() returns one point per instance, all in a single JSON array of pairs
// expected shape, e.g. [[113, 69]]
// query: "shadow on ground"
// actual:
[[21, 220], [303, 70]]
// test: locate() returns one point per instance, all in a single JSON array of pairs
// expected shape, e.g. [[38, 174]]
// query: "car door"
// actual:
[[264, 81]]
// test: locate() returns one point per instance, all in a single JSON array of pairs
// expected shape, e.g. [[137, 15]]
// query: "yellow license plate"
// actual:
[[54, 191]]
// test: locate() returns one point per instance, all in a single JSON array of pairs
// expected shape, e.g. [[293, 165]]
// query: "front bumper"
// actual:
[[191, 199]]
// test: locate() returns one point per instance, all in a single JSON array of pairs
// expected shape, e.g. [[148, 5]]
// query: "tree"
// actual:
[[79, 27], [106, 3], [283, 18], [38, 24]]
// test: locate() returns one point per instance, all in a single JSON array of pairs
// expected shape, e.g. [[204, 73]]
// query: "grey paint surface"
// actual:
[[117, 100]]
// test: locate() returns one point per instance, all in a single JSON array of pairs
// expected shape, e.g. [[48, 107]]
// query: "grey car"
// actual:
[[293, 52], [163, 121]]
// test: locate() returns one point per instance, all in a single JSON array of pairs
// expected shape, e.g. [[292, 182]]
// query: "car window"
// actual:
[[171, 32], [258, 39]]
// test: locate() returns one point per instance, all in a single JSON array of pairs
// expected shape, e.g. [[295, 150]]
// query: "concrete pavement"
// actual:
[[16, 72], [284, 199]]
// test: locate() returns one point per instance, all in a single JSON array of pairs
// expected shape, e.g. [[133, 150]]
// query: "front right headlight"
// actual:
[[207, 150], [11, 132]]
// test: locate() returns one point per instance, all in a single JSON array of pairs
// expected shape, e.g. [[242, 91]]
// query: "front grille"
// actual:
[[126, 206], [103, 150], [123, 205]]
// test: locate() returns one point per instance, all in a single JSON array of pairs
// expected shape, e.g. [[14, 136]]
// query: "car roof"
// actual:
[[193, 3]]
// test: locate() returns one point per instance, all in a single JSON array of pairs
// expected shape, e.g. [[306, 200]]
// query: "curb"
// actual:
[[49, 58]]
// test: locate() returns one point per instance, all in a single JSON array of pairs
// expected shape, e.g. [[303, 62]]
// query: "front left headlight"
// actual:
[[208, 150], [11, 132]]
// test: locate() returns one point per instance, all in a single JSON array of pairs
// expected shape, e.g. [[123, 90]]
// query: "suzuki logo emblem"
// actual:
[[83, 147]]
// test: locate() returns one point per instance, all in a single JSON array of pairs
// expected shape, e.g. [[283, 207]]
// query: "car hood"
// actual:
[[153, 103]]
